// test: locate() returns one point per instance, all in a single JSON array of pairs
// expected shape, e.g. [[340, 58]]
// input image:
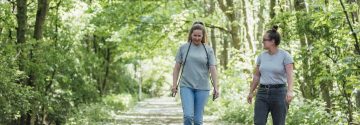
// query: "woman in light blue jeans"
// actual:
[[197, 59]]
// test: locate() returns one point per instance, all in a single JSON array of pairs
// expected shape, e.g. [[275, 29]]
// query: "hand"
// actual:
[[249, 98], [174, 91], [289, 96], [215, 94]]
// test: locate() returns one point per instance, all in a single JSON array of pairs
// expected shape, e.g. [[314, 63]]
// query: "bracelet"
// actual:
[[291, 94]]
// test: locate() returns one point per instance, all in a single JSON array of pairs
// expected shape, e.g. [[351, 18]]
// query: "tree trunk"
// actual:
[[353, 33], [212, 31], [357, 99], [245, 23], [213, 42], [224, 53], [212, 6], [21, 20], [325, 93], [107, 67], [260, 24], [230, 13], [349, 105], [42, 9], [20, 40], [354, 14], [272, 8], [43, 6], [305, 87]]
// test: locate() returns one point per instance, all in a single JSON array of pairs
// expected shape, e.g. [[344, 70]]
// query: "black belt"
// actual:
[[272, 86]]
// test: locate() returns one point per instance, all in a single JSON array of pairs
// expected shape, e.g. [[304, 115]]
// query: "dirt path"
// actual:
[[155, 111]]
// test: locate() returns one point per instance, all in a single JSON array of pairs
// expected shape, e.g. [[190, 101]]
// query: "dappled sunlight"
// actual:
[[112, 62]]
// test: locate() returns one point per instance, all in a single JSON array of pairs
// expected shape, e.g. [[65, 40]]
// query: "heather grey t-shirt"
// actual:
[[196, 72], [272, 67]]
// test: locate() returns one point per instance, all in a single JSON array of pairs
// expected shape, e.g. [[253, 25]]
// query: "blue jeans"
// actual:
[[193, 103], [270, 100]]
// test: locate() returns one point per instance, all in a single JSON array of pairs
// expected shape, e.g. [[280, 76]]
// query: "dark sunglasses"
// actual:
[[198, 22], [266, 39]]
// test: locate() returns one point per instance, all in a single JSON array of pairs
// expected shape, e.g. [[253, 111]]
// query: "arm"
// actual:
[[175, 77], [289, 73], [254, 84], [213, 73]]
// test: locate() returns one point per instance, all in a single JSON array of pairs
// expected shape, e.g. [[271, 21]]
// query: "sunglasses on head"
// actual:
[[198, 22]]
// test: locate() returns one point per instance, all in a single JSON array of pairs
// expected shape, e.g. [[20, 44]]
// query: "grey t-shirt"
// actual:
[[196, 72], [272, 67]]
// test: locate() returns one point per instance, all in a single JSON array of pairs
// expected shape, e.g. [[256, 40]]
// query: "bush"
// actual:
[[304, 113], [239, 113], [119, 102], [310, 112], [98, 112]]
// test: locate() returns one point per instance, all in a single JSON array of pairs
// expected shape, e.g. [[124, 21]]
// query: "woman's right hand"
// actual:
[[249, 98]]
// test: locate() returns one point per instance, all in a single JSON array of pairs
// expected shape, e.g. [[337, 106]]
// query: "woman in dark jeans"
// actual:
[[274, 69]]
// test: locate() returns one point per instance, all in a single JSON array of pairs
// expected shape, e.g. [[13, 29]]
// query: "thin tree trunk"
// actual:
[[357, 48], [94, 44], [107, 67], [212, 31], [213, 42], [224, 54], [229, 11], [212, 6], [349, 103], [10, 34], [260, 28], [306, 86], [245, 23], [326, 95], [272, 8], [354, 14], [357, 99], [325, 87]]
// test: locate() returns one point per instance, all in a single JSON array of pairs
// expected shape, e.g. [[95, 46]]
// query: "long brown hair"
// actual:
[[198, 26]]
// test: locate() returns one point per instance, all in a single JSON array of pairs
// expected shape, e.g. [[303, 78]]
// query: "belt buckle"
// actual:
[[267, 86]]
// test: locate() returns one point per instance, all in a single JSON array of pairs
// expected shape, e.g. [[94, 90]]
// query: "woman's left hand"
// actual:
[[289, 96]]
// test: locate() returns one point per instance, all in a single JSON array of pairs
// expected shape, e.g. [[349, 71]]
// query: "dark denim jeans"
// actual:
[[271, 100]]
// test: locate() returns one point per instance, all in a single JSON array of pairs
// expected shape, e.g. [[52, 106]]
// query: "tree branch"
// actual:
[[357, 49]]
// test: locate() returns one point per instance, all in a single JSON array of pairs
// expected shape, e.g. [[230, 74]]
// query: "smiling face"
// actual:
[[197, 36], [267, 42]]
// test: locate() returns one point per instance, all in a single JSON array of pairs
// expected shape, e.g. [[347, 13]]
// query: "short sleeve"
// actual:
[[288, 59], [258, 60], [212, 59], [179, 56]]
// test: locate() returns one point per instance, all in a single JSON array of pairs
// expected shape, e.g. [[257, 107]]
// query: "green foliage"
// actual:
[[100, 111], [239, 113], [119, 102], [94, 55], [309, 113]]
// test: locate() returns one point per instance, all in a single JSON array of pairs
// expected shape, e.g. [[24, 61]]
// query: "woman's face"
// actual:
[[267, 42], [197, 36]]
